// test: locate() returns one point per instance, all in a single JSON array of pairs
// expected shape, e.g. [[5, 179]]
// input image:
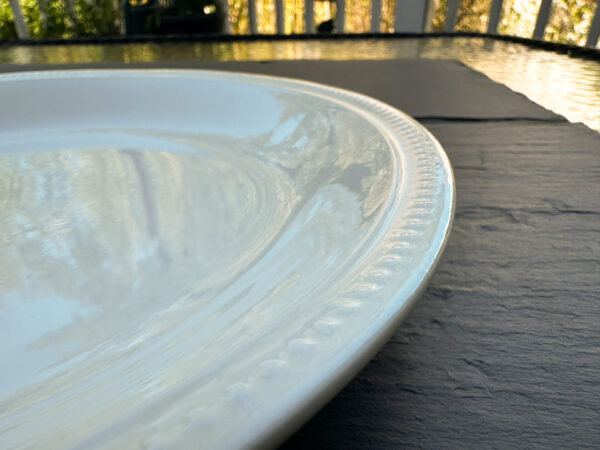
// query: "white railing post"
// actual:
[[412, 16], [451, 12], [227, 24], [279, 17], [542, 19], [494, 19], [309, 17], [20, 27], [252, 17], [375, 15], [594, 31], [340, 16]]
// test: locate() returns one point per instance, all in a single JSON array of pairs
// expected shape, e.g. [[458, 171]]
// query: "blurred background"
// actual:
[[568, 22]]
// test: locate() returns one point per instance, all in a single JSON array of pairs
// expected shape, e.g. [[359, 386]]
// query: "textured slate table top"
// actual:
[[503, 350]]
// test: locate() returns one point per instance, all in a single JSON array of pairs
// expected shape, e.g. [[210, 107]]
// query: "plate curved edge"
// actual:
[[407, 252]]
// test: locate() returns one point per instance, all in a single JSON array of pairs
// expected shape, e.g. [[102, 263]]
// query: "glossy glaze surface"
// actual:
[[193, 258]]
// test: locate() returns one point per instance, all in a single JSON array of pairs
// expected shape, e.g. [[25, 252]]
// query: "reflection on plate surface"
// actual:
[[196, 257]]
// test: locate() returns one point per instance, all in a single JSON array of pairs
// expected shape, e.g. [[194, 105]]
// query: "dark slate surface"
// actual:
[[503, 350], [420, 87]]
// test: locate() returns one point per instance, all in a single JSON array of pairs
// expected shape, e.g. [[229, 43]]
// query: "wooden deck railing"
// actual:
[[410, 16]]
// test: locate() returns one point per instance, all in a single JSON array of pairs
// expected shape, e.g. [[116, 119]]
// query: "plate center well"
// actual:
[[113, 238]]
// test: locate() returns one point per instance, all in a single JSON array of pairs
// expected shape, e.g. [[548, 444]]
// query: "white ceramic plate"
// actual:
[[200, 259]]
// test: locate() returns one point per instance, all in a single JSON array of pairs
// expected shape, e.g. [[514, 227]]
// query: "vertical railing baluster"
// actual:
[[375, 15], [279, 17], [413, 16], [20, 27], [451, 12], [340, 16], [594, 31], [309, 17], [542, 19], [494, 19], [252, 16], [227, 24], [398, 12]]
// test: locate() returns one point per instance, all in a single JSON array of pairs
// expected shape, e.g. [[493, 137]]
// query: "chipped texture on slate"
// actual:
[[504, 348]]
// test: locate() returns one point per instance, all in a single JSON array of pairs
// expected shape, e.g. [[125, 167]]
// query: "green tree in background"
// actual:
[[63, 18], [471, 16], [7, 28], [570, 21], [53, 21], [97, 18]]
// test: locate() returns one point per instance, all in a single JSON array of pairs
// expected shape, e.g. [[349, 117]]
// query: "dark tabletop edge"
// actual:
[[558, 47], [242, 66]]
